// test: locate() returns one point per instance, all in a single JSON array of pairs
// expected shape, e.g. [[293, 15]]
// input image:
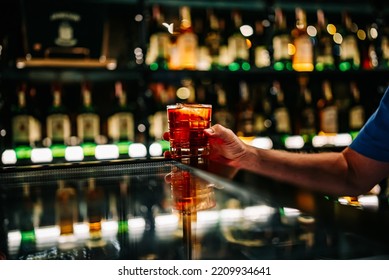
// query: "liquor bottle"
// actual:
[[259, 116], [324, 56], [187, 41], [221, 114], [121, 121], [26, 128], [306, 124], [383, 45], [158, 121], [158, 52], [225, 57], [237, 46], [281, 42], [357, 115], [260, 56], [328, 111], [213, 39], [280, 110], [349, 51], [303, 56], [245, 115], [58, 122], [88, 121]]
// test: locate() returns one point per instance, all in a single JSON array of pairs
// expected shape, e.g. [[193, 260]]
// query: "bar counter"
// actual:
[[164, 209]]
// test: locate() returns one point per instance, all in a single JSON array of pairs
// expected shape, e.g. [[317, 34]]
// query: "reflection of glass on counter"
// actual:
[[190, 193]]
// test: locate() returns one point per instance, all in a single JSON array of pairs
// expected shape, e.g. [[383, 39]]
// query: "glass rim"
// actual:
[[190, 105]]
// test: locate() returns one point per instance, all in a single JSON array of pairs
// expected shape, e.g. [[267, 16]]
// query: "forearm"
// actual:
[[325, 172]]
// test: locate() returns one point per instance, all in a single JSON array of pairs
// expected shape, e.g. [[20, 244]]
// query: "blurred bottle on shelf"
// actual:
[[281, 42], [324, 48], [237, 46], [280, 112], [222, 114], [245, 112], [26, 128], [58, 124], [302, 59], [213, 40], [259, 117], [88, 120], [121, 121], [357, 115], [260, 56], [163, 95], [187, 41], [327, 110], [306, 120], [383, 44], [349, 51], [159, 42]]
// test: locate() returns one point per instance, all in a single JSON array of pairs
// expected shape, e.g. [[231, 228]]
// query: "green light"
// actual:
[[278, 66], [89, 149], [122, 226], [28, 235], [289, 66], [165, 145], [23, 152], [154, 66], [123, 147], [344, 66], [354, 134], [246, 66], [283, 138], [319, 66], [58, 151], [233, 66]]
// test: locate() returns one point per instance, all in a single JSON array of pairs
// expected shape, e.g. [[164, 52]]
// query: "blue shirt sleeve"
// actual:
[[373, 139]]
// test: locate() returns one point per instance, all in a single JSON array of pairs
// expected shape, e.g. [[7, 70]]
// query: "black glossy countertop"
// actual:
[[162, 209]]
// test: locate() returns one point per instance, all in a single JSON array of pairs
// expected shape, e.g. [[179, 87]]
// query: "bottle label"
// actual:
[[385, 47], [259, 123], [308, 121], [21, 128], [280, 45], [58, 127], [356, 117], [159, 124], [262, 57], [121, 126], [237, 47], [349, 50], [329, 121], [282, 120], [187, 49], [26, 129], [303, 58], [88, 126]]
